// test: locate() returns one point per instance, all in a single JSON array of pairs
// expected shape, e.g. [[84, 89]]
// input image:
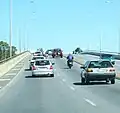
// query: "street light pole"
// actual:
[[100, 43], [119, 41], [10, 39], [19, 42]]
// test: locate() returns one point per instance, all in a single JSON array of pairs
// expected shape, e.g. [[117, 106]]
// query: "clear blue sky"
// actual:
[[62, 23]]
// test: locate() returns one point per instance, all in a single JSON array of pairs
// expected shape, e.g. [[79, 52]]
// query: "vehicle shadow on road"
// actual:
[[91, 83], [65, 68], [43, 76], [27, 70]]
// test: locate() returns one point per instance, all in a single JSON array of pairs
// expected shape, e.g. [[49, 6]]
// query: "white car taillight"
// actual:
[[51, 67], [33, 68]]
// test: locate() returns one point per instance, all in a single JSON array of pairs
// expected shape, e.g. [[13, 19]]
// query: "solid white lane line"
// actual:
[[16, 69], [89, 101], [4, 79], [11, 74]]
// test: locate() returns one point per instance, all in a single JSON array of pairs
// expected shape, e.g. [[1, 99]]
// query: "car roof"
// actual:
[[42, 60]]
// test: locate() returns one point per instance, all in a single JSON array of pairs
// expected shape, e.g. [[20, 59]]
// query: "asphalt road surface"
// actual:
[[61, 94]]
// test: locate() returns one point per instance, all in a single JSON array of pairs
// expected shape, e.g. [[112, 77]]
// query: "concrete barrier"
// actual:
[[5, 67]]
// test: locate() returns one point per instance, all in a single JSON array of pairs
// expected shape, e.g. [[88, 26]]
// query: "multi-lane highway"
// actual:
[[61, 94]]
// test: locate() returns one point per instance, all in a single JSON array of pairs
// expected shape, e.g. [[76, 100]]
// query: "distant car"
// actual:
[[49, 52], [33, 60], [43, 67], [57, 52], [98, 70], [38, 53]]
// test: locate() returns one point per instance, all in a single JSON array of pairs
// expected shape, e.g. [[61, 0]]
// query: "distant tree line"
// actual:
[[5, 50], [77, 51]]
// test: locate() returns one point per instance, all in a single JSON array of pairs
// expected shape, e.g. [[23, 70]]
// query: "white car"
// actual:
[[98, 70], [35, 58], [43, 67], [38, 53]]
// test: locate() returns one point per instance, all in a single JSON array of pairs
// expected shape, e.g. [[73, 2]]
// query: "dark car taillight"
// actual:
[[112, 70], [61, 53]]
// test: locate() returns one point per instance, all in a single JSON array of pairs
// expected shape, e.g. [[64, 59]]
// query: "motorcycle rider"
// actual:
[[70, 58]]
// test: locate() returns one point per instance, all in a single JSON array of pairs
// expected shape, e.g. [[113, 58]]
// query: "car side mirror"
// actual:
[[113, 62], [82, 67], [53, 63]]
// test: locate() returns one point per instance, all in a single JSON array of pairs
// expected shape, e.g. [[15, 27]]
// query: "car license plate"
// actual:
[[42, 67], [101, 71]]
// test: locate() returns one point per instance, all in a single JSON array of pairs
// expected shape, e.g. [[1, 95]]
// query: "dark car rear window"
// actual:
[[42, 63], [37, 58], [37, 52], [106, 56], [94, 64]]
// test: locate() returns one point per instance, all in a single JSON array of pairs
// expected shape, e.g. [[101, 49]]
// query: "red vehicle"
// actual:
[[57, 52]]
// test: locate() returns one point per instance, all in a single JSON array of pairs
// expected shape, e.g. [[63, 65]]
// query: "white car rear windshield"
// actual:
[[42, 63], [98, 64]]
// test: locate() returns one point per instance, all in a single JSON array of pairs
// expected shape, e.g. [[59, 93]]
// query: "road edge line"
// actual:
[[4, 89]]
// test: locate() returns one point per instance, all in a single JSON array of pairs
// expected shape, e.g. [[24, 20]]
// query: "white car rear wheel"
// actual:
[[52, 75]]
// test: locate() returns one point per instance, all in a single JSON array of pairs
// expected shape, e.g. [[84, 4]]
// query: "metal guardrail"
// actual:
[[3, 61]]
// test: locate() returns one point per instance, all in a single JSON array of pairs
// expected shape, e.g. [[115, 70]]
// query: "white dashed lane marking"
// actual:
[[72, 88], [63, 80], [90, 102]]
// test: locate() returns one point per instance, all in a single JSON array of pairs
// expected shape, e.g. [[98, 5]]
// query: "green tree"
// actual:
[[5, 50], [78, 50]]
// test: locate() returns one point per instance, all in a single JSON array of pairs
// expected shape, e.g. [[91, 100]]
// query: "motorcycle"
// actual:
[[70, 64]]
